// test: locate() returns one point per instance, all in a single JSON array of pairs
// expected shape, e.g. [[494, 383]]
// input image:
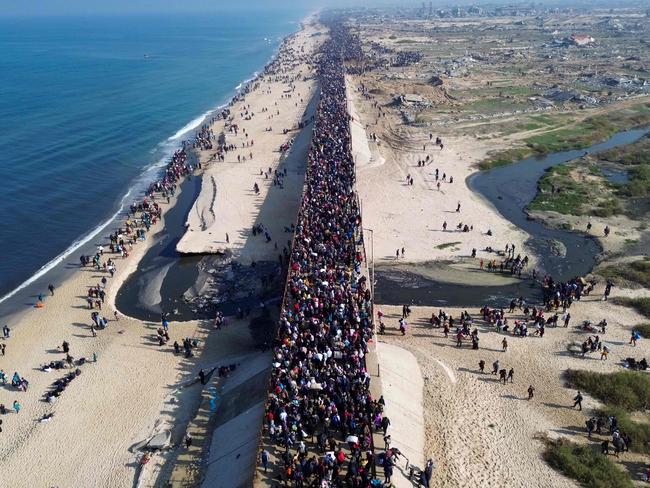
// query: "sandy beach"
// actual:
[[413, 216], [134, 389], [483, 433], [227, 204]]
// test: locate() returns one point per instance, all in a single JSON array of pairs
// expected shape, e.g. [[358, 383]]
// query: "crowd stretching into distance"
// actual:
[[320, 388]]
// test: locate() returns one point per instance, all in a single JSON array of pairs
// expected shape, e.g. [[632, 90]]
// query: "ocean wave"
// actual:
[[71, 249], [188, 127]]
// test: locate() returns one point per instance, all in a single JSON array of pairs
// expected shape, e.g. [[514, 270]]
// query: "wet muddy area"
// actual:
[[193, 287]]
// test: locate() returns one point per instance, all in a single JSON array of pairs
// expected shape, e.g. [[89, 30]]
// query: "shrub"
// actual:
[[585, 464], [625, 389]]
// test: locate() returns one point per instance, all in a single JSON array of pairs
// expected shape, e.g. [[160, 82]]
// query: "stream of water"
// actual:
[[510, 189]]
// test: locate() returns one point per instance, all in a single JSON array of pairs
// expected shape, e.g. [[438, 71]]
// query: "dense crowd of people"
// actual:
[[320, 393]]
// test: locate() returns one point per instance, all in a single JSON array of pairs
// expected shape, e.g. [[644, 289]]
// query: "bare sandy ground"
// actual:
[[482, 433], [412, 216], [227, 203]]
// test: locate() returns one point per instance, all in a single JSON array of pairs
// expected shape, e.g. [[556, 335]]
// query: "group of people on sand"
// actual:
[[320, 412], [140, 217]]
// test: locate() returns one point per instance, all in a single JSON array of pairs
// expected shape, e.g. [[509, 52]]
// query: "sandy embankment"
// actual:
[[482, 433], [129, 393], [411, 216], [227, 204]]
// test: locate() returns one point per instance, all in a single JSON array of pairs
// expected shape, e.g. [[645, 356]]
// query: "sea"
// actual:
[[91, 109]]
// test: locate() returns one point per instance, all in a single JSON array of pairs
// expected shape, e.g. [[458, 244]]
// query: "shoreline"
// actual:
[[50, 271]]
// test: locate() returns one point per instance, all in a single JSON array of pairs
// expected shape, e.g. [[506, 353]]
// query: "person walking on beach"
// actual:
[[17, 406], [481, 366], [577, 401], [608, 290], [5, 331], [495, 367], [385, 422], [51, 288], [531, 392], [504, 344], [264, 459], [388, 469], [511, 375]]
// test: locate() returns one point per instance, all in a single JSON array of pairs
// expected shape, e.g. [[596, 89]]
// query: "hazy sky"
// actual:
[[83, 7], [63, 7]]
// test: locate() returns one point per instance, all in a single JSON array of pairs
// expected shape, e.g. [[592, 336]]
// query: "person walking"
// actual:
[[577, 401], [385, 423], [495, 367], [481, 366], [51, 288], [264, 459], [531, 392], [504, 345], [17, 406], [511, 375]]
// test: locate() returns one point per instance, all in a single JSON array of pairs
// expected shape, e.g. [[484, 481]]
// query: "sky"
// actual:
[[84, 7], [12, 8]]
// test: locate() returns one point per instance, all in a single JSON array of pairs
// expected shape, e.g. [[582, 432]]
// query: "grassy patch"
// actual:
[[637, 156], [564, 189], [635, 271], [622, 392], [504, 158], [624, 389], [644, 330], [585, 464], [637, 153], [577, 136], [447, 244], [641, 305], [639, 432]]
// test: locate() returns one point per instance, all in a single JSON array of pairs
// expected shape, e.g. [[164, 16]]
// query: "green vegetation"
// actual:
[[447, 244], [637, 156], [644, 330], [622, 392], [635, 271], [639, 184], [504, 158], [577, 136], [642, 304], [585, 464], [559, 191], [639, 432], [570, 197], [629, 390], [637, 153]]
